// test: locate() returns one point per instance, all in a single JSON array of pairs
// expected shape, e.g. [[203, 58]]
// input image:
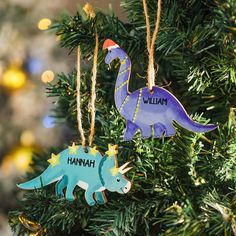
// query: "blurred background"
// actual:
[[30, 57]]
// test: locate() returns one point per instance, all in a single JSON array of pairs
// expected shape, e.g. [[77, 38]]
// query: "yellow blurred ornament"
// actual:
[[27, 138], [47, 76], [19, 159], [13, 78], [88, 8], [44, 23], [22, 158]]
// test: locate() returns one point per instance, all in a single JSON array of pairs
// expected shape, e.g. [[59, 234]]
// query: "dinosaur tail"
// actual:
[[49, 176], [185, 121]]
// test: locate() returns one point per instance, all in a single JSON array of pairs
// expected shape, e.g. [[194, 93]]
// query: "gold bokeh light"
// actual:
[[44, 23], [13, 78], [27, 138], [47, 76]]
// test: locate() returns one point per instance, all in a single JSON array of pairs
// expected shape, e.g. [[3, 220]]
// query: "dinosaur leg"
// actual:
[[72, 182], [158, 130], [89, 195], [169, 130], [60, 186], [146, 130], [130, 130], [101, 197]]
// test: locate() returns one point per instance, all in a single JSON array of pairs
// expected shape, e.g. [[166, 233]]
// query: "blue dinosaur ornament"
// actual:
[[89, 170], [147, 110]]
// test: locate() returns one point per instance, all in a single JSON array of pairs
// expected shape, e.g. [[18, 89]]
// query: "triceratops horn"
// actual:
[[123, 170]]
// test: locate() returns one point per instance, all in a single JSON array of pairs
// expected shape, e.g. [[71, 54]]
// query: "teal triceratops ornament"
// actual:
[[89, 170]]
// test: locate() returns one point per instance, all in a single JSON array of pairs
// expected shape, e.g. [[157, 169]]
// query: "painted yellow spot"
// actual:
[[44, 23], [124, 83], [93, 151], [114, 171], [137, 106], [55, 160], [47, 76], [124, 102], [123, 62], [122, 72], [73, 149], [112, 150]]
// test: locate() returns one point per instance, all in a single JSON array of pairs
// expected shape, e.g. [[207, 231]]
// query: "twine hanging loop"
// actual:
[[78, 99], [93, 92], [93, 95], [151, 42]]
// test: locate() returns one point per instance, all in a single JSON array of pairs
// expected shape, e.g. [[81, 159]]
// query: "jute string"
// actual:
[[79, 114], [93, 96], [151, 42], [93, 91]]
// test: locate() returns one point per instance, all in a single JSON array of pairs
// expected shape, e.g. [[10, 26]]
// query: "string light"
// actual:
[[48, 122], [44, 23], [47, 76]]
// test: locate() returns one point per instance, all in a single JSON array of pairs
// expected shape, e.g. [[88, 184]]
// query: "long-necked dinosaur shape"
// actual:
[[143, 109], [91, 171]]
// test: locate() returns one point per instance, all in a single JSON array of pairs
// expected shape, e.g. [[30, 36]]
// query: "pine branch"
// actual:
[[182, 185]]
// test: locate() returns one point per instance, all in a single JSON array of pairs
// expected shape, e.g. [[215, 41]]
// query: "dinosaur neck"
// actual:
[[104, 170], [100, 171], [122, 82]]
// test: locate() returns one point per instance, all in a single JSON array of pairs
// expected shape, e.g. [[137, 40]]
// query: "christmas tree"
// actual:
[[24, 111], [182, 185]]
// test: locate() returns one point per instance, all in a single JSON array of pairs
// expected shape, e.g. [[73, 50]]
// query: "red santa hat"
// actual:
[[109, 44]]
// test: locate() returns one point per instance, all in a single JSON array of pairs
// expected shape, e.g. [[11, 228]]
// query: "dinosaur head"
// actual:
[[117, 182], [113, 176], [114, 51]]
